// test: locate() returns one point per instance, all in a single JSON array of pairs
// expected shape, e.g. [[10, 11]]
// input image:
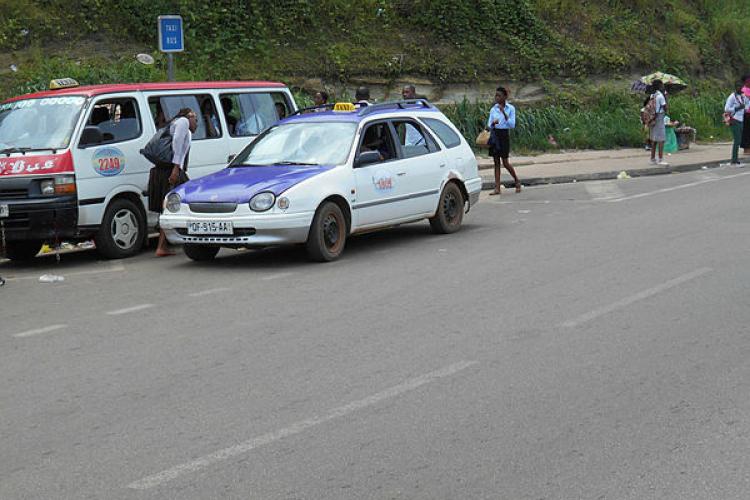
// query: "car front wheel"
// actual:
[[450, 212], [327, 234]]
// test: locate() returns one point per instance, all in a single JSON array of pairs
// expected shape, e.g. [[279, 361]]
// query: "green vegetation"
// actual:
[[594, 119], [95, 41]]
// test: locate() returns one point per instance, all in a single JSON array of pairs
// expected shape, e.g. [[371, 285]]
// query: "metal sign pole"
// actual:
[[170, 66]]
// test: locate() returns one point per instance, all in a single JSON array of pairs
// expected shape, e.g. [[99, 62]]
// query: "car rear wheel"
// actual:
[[123, 230], [327, 234], [450, 212], [200, 253], [22, 250]]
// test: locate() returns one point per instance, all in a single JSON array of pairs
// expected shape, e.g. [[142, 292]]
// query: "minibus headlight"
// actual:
[[47, 186], [262, 201], [173, 202]]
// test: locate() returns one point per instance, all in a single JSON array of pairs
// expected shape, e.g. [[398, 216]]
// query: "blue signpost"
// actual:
[[171, 40]]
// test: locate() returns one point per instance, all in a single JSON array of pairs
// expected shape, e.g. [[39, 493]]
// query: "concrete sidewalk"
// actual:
[[556, 168]]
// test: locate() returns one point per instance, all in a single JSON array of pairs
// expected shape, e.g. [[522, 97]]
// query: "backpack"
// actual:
[[648, 113], [158, 149]]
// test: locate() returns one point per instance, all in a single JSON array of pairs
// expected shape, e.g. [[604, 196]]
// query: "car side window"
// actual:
[[111, 121], [249, 114], [164, 108], [450, 138], [413, 140], [377, 137]]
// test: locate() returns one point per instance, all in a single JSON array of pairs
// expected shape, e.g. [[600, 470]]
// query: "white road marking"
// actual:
[[675, 188], [208, 292], [276, 276], [38, 331], [635, 298], [296, 428], [139, 307]]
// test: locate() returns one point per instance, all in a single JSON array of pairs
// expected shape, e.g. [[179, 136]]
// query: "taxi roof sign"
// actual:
[[344, 107], [63, 83]]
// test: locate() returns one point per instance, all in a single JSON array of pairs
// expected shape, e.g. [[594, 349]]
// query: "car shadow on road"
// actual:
[[360, 246]]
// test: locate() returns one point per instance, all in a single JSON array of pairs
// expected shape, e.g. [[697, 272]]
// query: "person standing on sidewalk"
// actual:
[[658, 133], [502, 119], [735, 108]]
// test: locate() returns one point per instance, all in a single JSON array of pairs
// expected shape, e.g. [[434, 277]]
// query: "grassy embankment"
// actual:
[[444, 41]]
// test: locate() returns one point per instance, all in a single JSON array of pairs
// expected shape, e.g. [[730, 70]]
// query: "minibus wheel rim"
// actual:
[[124, 229]]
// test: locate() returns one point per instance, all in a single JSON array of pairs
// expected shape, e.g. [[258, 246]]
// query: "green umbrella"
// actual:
[[672, 83]]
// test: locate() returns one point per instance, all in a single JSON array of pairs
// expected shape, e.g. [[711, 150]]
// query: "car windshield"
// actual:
[[38, 124], [301, 143]]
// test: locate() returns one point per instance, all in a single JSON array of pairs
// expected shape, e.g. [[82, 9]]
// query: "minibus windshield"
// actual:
[[38, 124]]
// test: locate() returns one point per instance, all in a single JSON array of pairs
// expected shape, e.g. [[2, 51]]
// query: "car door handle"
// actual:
[[401, 174], [442, 165]]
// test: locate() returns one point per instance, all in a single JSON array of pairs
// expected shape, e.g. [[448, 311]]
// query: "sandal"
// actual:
[[518, 187], [496, 191]]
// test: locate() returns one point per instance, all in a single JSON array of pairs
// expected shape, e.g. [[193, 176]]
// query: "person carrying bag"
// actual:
[[168, 150]]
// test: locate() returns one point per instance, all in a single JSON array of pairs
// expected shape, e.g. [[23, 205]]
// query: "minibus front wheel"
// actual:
[[123, 230]]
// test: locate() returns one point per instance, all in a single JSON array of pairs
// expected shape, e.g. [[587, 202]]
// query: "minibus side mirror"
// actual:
[[91, 136]]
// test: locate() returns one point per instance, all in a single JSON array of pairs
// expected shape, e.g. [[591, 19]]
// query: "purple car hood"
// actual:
[[239, 184]]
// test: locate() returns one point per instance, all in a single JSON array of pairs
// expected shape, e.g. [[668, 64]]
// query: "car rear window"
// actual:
[[446, 134]]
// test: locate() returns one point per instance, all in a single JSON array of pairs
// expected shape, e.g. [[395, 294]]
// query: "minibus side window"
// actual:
[[111, 121], [250, 113], [164, 108]]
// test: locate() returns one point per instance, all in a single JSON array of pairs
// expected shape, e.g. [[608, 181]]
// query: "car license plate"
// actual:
[[210, 227], [4, 211]]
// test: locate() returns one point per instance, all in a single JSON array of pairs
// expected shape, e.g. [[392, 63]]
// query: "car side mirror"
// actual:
[[367, 158], [91, 136]]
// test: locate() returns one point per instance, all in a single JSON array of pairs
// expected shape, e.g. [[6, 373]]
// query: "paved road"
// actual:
[[579, 341]]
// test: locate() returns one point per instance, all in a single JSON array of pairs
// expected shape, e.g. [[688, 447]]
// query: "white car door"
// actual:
[[380, 192], [424, 167]]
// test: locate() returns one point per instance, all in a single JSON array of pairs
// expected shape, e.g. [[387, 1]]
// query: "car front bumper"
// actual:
[[474, 188], [248, 230]]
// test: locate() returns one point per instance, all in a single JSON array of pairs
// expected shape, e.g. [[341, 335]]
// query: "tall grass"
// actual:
[[603, 121]]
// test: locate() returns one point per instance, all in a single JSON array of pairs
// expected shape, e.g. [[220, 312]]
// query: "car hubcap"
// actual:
[[450, 207], [124, 229], [331, 232]]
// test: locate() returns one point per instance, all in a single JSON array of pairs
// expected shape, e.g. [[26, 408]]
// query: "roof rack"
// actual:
[[423, 103]]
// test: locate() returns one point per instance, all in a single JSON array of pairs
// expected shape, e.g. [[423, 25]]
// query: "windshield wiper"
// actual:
[[294, 163], [8, 151], [24, 150]]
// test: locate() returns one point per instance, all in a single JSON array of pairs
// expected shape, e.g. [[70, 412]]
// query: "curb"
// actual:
[[488, 184]]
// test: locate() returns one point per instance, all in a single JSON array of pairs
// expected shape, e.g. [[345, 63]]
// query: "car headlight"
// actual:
[[262, 201], [173, 202]]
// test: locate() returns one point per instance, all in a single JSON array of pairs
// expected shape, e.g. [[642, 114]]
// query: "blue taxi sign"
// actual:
[[171, 35]]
